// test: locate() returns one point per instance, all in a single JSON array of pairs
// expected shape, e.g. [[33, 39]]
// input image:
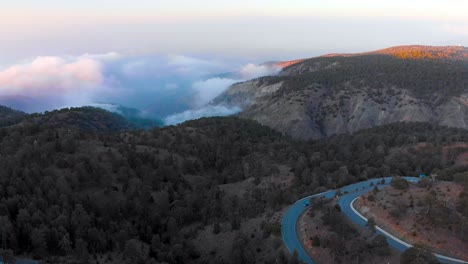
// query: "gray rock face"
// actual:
[[312, 114], [247, 93], [310, 108]]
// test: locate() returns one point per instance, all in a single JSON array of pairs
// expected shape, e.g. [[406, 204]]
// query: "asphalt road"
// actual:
[[288, 223], [351, 193], [346, 204]]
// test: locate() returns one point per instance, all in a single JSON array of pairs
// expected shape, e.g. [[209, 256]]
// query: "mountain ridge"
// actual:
[[327, 95], [9, 116], [94, 118], [413, 51]]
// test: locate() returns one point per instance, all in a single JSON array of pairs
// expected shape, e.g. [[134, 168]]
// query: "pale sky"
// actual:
[[373, 7], [261, 29], [168, 58]]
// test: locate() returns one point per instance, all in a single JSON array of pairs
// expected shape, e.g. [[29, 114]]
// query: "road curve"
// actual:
[[352, 192], [346, 204], [288, 223]]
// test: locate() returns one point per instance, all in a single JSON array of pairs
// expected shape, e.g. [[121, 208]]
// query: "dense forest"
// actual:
[[426, 78], [205, 191]]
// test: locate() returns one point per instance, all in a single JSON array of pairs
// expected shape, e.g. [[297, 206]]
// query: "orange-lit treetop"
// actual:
[[416, 52], [426, 52]]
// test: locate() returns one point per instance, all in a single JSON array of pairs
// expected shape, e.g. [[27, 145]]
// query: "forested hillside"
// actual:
[[9, 116], [147, 193], [206, 191], [84, 118]]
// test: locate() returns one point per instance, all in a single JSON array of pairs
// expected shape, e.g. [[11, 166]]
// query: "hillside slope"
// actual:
[[205, 191], [84, 118], [343, 93], [10, 116]]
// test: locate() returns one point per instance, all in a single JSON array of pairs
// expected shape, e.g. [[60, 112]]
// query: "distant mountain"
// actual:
[[343, 93], [101, 117], [134, 116], [84, 118]]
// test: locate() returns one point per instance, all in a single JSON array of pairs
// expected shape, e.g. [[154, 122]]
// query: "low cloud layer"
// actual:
[[251, 71], [206, 111], [174, 86], [207, 90]]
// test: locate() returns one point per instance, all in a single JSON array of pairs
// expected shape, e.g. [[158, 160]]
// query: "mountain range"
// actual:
[[323, 96], [84, 185], [343, 93]]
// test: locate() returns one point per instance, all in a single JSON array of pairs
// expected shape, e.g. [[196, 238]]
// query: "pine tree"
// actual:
[[65, 244], [81, 251], [6, 229]]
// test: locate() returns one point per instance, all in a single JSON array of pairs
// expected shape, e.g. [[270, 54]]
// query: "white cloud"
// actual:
[[159, 84], [191, 66], [182, 60], [206, 111], [208, 89], [50, 76], [251, 71], [134, 69], [109, 107], [109, 56]]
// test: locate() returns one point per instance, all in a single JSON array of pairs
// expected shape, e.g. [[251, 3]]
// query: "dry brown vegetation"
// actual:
[[428, 214]]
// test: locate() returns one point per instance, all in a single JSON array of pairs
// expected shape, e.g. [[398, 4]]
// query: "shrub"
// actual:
[[399, 183]]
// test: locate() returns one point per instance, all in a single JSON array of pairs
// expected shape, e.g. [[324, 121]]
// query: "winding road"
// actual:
[[352, 192]]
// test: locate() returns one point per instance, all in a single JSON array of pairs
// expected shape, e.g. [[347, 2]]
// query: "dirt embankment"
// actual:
[[311, 227], [426, 216]]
